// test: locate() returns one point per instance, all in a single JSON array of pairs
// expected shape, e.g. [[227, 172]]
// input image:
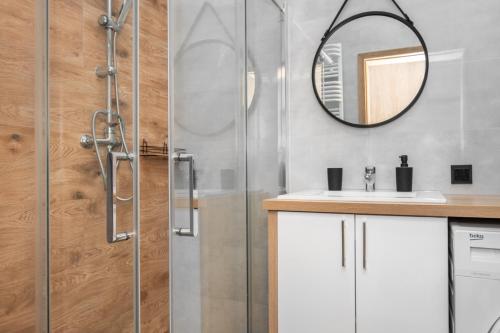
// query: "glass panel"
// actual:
[[153, 86], [265, 143], [22, 166], [92, 281], [209, 263]]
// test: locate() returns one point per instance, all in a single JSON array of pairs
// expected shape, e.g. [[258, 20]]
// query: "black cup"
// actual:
[[334, 179]]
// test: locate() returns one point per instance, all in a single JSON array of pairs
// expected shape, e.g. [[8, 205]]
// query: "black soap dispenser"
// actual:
[[404, 175]]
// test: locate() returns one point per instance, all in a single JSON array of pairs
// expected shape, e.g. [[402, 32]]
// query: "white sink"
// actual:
[[370, 195], [377, 196]]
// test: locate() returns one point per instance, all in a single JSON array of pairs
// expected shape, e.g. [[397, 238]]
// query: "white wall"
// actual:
[[456, 121]]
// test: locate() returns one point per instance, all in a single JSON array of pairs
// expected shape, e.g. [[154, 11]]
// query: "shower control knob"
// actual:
[[103, 20], [86, 141]]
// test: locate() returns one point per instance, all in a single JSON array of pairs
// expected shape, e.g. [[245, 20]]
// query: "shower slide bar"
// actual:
[[114, 132]]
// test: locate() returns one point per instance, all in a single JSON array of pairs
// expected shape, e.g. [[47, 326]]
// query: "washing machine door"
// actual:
[[495, 328], [477, 305]]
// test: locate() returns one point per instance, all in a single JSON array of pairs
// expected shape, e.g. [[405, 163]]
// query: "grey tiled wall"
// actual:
[[456, 121]]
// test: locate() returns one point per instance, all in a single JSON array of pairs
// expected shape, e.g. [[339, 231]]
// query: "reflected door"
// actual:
[[207, 156]]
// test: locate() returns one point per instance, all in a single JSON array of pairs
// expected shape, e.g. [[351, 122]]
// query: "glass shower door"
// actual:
[[208, 171], [266, 141], [93, 227]]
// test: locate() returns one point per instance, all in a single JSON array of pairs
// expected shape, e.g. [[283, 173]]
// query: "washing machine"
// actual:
[[475, 278]]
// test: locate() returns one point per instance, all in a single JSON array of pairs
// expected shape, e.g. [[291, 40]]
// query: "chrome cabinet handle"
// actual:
[[183, 157], [364, 245], [112, 198], [343, 243]]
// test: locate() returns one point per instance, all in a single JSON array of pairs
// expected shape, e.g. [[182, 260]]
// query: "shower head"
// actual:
[[122, 17]]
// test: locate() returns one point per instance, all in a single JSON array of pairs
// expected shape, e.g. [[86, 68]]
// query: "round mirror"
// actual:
[[370, 69], [206, 82]]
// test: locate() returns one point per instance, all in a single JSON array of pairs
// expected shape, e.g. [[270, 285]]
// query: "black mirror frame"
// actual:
[[406, 22]]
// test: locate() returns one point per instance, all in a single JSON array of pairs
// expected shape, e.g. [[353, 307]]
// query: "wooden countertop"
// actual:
[[475, 206]]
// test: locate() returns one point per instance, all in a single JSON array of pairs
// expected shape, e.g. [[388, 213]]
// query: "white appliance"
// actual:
[[475, 278]]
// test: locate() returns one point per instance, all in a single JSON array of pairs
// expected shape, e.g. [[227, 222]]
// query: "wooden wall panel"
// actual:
[[154, 171], [17, 166], [91, 281]]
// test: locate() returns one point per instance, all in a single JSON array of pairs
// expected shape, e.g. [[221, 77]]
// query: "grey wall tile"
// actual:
[[456, 120]]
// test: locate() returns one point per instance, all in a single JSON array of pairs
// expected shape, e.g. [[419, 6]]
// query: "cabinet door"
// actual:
[[402, 274], [316, 273]]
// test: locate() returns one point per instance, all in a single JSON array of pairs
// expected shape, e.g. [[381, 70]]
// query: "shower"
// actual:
[[123, 14], [113, 139]]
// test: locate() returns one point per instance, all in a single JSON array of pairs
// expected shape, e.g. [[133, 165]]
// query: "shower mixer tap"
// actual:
[[110, 140], [114, 130]]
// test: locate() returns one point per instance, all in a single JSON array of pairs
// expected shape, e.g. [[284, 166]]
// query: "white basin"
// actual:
[[377, 196], [370, 195]]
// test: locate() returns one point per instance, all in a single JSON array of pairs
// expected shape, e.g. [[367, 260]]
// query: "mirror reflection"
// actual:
[[207, 90], [369, 70]]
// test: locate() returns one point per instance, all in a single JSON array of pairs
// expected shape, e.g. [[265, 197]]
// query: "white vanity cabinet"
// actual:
[[316, 273], [401, 274], [364, 274]]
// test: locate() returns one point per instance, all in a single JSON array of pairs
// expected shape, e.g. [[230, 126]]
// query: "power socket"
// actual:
[[461, 174]]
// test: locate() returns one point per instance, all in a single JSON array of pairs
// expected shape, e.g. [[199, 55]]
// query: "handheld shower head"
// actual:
[[122, 17]]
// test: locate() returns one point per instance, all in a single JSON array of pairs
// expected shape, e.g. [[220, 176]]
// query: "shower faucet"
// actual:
[[120, 21], [114, 132], [113, 139]]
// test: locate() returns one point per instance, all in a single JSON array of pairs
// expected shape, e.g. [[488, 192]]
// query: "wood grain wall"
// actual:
[[91, 281], [17, 166], [154, 171]]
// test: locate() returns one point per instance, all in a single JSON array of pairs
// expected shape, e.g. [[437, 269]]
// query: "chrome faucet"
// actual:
[[370, 179]]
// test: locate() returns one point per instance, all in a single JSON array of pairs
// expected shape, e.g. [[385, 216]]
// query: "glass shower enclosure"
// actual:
[[136, 240], [227, 153], [69, 247]]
